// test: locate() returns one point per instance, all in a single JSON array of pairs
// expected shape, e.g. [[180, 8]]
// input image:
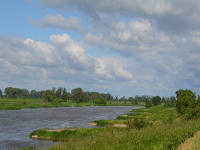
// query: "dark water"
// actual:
[[16, 125]]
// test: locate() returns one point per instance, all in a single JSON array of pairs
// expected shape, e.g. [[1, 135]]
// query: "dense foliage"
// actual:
[[187, 104], [100, 101], [156, 100], [77, 95]]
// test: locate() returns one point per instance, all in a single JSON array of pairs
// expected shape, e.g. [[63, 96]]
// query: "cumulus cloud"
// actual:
[[71, 23], [64, 61], [171, 16], [128, 38]]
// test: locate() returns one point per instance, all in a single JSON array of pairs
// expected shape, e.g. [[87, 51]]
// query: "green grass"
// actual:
[[159, 137], [67, 134], [103, 122], [157, 114], [20, 103]]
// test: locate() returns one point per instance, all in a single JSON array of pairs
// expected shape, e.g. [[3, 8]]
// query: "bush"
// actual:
[[192, 114], [100, 101], [148, 104], [137, 123], [48, 96], [134, 103], [57, 101], [170, 104]]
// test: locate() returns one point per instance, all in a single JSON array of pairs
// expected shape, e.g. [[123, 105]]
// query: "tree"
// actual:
[[49, 96], [33, 94], [156, 100], [59, 92], [186, 100], [93, 97], [77, 95], [1, 94], [172, 98], [64, 94]]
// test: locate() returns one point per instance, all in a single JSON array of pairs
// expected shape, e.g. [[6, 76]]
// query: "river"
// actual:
[[16, 125]]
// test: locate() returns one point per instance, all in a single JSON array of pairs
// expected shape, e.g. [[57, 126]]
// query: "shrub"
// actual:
[[192, 114], [148, 104], [136, 123], [57, 101], [134, 102], [170, 104], [100, 101], [48, 96]]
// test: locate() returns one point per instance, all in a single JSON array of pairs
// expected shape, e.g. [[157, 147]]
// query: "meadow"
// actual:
[[23, 103]]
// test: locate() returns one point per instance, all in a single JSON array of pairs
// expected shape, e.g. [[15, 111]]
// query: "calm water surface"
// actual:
[[16, 125]]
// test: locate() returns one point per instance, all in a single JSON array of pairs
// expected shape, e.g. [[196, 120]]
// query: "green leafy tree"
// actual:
[[186, 101], [49, 96], [1, 94], [64, 94], [77, 95], [11, 92], [156, 100], [59, 92], [93, 97], [33, 93]]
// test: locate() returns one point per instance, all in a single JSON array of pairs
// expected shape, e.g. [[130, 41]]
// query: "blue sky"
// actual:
[[124, 47]]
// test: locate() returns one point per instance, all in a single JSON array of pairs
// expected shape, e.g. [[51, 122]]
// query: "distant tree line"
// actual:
[[11, 92], [78, 95]]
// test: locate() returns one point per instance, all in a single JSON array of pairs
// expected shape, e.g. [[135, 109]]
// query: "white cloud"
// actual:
[[71, 23], [65, 61]]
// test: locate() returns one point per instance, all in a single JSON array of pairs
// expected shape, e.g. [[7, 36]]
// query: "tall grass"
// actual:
[[160, 137]]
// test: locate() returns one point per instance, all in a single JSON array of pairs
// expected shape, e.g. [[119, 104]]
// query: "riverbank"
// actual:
[[17, 104], [163, 132]]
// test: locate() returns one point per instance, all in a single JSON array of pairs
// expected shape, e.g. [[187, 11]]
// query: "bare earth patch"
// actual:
[[188, 144], [92, 124], [115, 125], [118, 125]]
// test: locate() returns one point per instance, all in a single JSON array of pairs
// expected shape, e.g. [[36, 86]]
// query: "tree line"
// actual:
[[77, 94]]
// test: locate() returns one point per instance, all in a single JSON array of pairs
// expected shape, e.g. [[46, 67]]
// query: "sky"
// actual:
[[121, 47]]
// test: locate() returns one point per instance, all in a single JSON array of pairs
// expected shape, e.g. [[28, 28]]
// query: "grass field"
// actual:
[[17, 104]]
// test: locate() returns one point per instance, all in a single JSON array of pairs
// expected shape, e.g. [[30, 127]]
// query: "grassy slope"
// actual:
[[162, 137], [165, 133]]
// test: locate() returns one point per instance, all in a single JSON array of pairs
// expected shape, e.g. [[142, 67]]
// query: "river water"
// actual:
[[16, 125]]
